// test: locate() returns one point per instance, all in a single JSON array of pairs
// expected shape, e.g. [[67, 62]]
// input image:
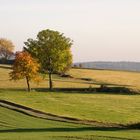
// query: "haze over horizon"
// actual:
[[102, 30]]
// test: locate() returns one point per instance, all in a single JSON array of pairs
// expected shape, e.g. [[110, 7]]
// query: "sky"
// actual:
[[102, 30]]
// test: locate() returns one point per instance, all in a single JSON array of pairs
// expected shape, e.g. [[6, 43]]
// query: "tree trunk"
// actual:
[[50, 81], [28, 84]]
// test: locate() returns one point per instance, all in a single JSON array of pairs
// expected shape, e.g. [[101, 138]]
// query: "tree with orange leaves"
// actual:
[[25, 67]]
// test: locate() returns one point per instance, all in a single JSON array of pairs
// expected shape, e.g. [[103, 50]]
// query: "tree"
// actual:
[[6, 48], [25, 67], [80, 65], [53, 51]]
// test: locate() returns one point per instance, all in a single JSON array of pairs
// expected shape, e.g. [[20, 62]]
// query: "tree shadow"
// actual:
[[5, 66], [105, 90], [13, 89], [114, 90], [89, 81], [66, 129]]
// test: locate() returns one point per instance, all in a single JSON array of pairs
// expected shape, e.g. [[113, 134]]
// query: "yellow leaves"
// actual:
[[25, 66], [7, 44], [6, 48]]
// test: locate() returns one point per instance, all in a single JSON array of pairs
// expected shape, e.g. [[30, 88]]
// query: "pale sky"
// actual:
[[102, 30]]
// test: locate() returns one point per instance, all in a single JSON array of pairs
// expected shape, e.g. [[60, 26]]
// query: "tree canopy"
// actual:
[[6, 48], [25, 67], [52, 49]]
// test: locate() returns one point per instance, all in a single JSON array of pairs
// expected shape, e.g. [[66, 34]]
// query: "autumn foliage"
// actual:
[[25, 67], [6, 48]]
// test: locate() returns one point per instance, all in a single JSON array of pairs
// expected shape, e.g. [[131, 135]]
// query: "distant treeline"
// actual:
[[10, 62], [128, 66]]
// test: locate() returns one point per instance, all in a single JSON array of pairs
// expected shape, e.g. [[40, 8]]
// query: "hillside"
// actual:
[[108, 116], [79, 101], [109, 77], [128, 66], [80, 78], [18, 126]]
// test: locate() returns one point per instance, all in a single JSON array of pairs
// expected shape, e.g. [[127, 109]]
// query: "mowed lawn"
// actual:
[[18, 126]]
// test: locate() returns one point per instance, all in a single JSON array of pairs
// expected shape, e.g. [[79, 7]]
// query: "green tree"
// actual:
[[25, 67], [6, 49], [52, 49]]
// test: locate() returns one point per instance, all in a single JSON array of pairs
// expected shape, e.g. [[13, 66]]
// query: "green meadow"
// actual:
[[110, 110]]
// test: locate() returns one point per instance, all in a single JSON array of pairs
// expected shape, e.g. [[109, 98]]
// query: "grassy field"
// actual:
[[58, 82], [115, 108], [124, 78], [118, 78], [99, 107], [18, 126]]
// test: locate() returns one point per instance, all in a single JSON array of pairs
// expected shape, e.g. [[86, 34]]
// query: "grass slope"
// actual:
[[124, 78], [100, 107], [110, 108], [58, 82], [18, 126], [118, 78]]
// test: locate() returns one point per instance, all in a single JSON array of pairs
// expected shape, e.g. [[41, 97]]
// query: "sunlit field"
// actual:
[[106, 109], [118, 78]]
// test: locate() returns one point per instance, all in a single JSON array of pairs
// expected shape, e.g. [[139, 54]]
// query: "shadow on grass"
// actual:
[[101, 90], [104, 90], [66, 129], [5, 66], [13, 89], [81, 129], [89, 82]]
